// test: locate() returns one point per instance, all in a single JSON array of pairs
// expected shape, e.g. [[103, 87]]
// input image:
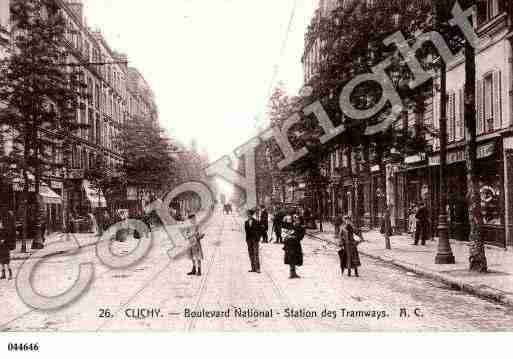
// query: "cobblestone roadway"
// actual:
[[158, 283]]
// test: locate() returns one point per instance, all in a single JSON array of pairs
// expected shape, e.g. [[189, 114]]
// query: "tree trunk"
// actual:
[[26, 190], [367, 188], [477, 257], [37, 184], [383, 200], [25, 203]]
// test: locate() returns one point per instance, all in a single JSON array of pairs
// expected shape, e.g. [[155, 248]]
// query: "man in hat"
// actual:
[[264, 224], [253, 231], [422, 228]]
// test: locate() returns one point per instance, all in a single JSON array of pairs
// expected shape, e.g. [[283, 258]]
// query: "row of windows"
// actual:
[[85, 159], [488, 107], [99, 132], [93, 54], [489, 116], [100, 95]]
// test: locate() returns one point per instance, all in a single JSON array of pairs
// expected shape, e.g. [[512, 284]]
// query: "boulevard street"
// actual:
[[157, 294]]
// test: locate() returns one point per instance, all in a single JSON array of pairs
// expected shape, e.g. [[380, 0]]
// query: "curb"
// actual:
[[26, 256], [462, 285], [458, 284]]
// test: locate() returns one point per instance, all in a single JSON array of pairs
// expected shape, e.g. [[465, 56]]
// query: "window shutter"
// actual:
[[436, 111], [460, 115], [436, 118], [497, 101], [480, 109], [451, 98]]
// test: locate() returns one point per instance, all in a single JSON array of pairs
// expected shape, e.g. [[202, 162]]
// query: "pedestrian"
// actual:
[[287, 225], [339, 220], [5, 249], [277, 224], [252, 229], [386, 222], [11, 233], [349, 257], [386, 227], [107, 221], [292, 247], [422, 228], [264, 224], [412, 221], [196, 250]]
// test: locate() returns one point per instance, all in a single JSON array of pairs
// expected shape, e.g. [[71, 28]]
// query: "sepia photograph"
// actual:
[[244, 166]]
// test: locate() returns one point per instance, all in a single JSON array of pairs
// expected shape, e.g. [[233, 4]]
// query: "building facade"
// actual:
[[116, 95], [400, 181]]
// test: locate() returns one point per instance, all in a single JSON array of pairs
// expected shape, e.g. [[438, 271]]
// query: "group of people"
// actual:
[[256, 228], [419, 224], [290, 231]]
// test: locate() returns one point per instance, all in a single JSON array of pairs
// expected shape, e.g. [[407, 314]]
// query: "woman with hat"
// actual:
[[292, 247], [349, 257]]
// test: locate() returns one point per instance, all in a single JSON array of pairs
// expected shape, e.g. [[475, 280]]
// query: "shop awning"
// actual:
[[94, 195], [47, 194]]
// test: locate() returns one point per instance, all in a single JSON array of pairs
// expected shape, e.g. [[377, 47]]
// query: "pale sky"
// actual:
[[209, 62]]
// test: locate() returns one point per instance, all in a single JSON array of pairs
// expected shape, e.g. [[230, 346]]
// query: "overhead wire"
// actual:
[[276, 67]]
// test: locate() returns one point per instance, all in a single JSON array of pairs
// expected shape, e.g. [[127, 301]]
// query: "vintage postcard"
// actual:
[[255, 166]]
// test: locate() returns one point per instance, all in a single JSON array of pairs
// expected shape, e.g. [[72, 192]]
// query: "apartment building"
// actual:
[[117, 94], [416, 178]]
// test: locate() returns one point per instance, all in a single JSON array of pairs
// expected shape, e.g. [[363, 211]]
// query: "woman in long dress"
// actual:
[[412, 221], [5, 250], [292, 247], [349, 257], [196, 250]]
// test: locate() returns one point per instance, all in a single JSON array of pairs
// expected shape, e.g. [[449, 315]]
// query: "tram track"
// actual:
[[141, 290], [284, 300], [190, 325]]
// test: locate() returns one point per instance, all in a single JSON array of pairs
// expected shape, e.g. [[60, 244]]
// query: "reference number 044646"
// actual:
[[23, 347]]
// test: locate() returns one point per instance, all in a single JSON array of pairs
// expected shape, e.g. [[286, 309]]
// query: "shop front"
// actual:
[[50, 203], [84, 204], [422, 184], [377, 197]]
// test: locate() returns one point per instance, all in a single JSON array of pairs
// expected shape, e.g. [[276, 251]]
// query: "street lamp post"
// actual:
[[444, 253]]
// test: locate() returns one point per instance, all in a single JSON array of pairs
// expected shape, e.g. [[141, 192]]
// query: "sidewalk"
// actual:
[[496, 285], [84, 240]]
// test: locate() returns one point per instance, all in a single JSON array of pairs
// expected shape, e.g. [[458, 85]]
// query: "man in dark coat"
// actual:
[[253, 231], [422, 228], [277, 224], [264, 223]]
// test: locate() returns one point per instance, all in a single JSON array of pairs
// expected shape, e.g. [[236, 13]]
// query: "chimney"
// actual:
[[77, 8]]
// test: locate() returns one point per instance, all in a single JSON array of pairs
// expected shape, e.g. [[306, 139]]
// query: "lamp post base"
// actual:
[[444, 258], [444, 253]]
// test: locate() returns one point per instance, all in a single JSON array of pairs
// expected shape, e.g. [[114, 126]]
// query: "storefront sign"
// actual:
[[414, 159], [485, 150], [132, 193], [75, 174], [56, 184], [452, 157], [482, 151]]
